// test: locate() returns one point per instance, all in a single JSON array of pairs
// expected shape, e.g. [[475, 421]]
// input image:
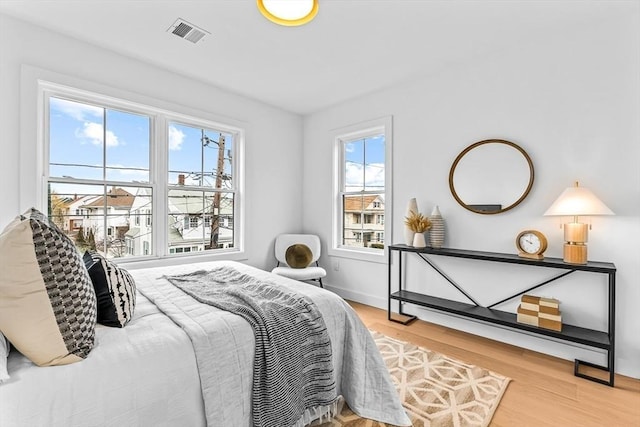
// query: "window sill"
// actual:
[[162, 261], [360, 255]]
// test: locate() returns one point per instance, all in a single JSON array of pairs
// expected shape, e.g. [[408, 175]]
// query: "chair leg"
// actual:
[[320, 280]]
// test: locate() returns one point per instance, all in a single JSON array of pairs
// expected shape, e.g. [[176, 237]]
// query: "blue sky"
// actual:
[[77, 132], [364, 163]]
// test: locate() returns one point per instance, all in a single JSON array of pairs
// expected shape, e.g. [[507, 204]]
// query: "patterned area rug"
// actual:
[[436, 391]]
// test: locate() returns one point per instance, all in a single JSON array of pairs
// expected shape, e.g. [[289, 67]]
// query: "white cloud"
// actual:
[[176, 138], [374, 175], [93, 132], [74, 109]]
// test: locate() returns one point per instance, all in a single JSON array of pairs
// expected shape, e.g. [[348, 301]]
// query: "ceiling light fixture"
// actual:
[[291, 13]]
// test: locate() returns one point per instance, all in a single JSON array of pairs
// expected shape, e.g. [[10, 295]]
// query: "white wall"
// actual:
[[571, 100], [272, 180]]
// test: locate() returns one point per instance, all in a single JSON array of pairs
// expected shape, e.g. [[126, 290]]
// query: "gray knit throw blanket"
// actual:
[[293, 379]]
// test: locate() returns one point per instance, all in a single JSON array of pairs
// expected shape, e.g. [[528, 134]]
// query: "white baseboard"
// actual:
[[350, 295]]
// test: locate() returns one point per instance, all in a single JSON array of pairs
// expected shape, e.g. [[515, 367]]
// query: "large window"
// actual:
[[110, 163], [362, 188]]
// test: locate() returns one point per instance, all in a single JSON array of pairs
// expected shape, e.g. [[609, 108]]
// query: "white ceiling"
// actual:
[[353, 47]]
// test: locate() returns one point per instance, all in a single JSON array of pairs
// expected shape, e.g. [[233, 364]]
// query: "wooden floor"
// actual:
[[543, 390]]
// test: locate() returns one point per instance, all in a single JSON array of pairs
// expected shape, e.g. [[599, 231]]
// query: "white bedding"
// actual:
[[146, 374], [141, 375]]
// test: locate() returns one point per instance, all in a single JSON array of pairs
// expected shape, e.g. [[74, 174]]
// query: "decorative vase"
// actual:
[[436, 232], [408, 233], [419, 240]]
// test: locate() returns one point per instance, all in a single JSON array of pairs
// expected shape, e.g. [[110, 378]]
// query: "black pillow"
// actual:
[[115, 290], [298, 256]]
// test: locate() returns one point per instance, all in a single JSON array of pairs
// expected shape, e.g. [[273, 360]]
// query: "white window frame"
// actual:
[[158, 162], [340, 136]]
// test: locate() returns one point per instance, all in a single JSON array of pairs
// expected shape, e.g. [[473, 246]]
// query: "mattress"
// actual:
[[182, 363]]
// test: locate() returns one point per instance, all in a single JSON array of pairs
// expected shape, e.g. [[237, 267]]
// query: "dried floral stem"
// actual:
[[417, 222]]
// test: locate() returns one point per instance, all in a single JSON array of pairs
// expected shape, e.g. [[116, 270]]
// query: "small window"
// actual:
[[193, 222], [362, 186]]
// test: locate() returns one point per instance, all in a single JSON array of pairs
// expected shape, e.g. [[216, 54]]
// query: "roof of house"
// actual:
[[116, 197], [358, 203], [191, 202]]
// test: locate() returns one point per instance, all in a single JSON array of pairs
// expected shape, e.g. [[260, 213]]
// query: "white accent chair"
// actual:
[[313, 271]]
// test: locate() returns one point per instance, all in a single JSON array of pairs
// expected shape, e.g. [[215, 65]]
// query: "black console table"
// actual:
[[576, 334]]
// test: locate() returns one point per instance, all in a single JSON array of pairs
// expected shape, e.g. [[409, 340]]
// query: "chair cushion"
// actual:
[[298, 256], [47, 301], [308, 273], [115, 290]]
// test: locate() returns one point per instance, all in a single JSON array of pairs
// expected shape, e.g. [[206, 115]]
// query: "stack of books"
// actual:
[[541, 312]]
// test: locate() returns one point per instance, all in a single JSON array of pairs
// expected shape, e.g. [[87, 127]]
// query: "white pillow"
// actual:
[[47, 301], [4, 353]]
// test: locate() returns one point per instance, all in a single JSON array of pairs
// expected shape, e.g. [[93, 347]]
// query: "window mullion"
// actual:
[[105, 218], [159, 165]]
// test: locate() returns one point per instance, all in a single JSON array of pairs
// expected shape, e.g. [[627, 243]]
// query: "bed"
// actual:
[[150, 374]]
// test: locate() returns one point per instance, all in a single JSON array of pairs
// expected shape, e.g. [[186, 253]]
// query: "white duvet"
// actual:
[[148, 373]]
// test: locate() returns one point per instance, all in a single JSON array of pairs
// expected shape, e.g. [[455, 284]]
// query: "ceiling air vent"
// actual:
[[187, 31]]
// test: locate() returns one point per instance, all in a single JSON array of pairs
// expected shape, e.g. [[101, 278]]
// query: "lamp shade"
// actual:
[[578, 201]]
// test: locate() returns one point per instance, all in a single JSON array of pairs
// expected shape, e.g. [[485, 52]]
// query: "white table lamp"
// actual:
[[577, 201]]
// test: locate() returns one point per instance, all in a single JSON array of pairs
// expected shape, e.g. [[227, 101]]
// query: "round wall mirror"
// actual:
[[491, 176]]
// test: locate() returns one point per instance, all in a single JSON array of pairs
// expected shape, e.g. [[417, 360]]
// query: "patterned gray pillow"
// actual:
[[47, 301], [115, 290]]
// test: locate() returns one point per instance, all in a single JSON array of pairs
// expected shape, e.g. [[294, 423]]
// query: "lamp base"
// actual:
[[575, 253]]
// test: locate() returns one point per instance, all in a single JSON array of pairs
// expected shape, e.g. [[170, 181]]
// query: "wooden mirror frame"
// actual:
[[478, 144]]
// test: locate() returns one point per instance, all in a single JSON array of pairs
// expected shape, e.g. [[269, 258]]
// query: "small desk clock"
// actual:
[[531, 244]]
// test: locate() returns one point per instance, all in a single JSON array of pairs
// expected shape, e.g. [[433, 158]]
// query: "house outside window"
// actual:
[[101, 164], [362, 174]]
